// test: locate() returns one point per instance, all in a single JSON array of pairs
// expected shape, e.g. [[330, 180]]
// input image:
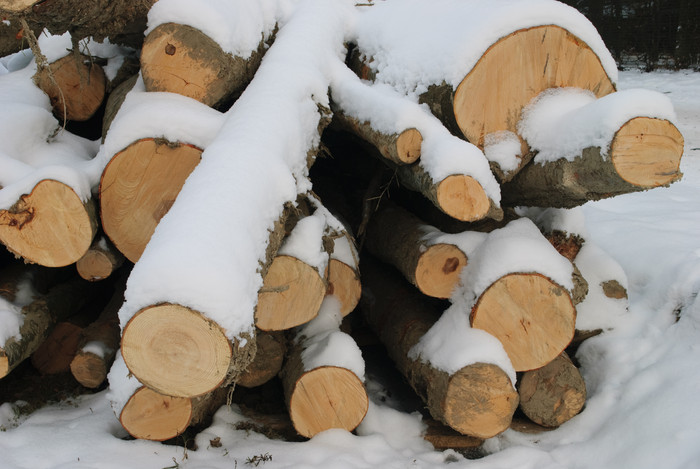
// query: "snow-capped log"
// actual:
[[474, 392], [204, 61], [323, 376], [269, 357], [75, 85], [99, 342], [100, 260], [553, 394], [343, 272], [38, 318], [403, 240], [488, 61], [589, 148], [149, 415]]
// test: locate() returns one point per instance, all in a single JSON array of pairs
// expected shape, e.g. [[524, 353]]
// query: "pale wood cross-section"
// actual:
[[100, 261], [344, 283], [138, 187], [51, 226]]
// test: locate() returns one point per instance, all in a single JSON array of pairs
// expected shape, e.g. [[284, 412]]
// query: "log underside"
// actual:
[[51, 226]]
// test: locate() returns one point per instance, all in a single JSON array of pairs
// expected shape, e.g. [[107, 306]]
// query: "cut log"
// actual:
[[149, 415], [99, 343], [181, 59], [478, 400], [51, 226], [114, 102], [271, 350], [55, 354], [40, 317], [644, 153], [100, 261], [76, 88], [343, 274], [179, 352], [553, 394], [137, 188], [401, 239]]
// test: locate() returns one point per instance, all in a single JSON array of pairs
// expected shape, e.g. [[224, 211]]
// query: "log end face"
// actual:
[[327, 397], [344, 284], [176, 351], [647, 152], [408, 146], [480, 400], [94, 266], [4, 365], [149, 415], [462, 197], [532, 316], [51, 226], [438, 270], [88, 369]]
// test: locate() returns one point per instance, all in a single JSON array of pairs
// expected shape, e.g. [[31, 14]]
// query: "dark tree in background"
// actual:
[[657, 33]]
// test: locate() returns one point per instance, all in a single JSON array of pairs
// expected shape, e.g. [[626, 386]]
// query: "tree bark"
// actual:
[[478, 400], [272, 348], [51, 226], [181, 59]]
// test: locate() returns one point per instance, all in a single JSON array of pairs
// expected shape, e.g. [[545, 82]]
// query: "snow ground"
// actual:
[[643, 378]]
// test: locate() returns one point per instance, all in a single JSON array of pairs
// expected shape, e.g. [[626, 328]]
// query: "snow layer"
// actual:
[[561, 122], [305, 242], [503, 147], [122, 385], [453, 36], [216, 17], [11, 317]]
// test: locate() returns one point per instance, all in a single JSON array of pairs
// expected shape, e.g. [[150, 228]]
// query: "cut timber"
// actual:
[[553, 394], [291, 294], [458, 195], [268, 360], [51, 226], [75, 87], [399, 148], [401, 239], [149, 415], [644, 153], [510, 74], [478, 400], [99, 261], [39, 319], [16, 6], [138, 187], [55, 354], [181, 59], [533, 317], [344, 284], [177, 351]]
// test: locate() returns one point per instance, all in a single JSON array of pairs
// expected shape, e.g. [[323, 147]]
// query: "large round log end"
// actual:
[[344, 284], [149, 415], [462, 197], [647, 152], [176, 351]]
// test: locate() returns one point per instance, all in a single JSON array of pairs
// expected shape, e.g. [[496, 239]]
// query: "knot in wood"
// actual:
[[170, 49]]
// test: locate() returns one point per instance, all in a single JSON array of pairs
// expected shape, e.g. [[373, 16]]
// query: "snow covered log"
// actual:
[[50, 226], [76, 86], [477, 399], [553, 394], [100, 260], [588, 148], [323, 376], [99, 343], [401, 239], [269, 357], [481, 63], [181, 59]]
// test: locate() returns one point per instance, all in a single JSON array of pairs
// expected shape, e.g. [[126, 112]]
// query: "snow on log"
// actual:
[[468, 383], [478, 64], [553, 394], [401, 239], [269, 357], [153, 143], [99, 343], [100, 260], [323, 376], [202, 230], [589, 148]]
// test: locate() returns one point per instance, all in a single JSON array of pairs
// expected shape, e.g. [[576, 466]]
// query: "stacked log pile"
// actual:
[[248, 232]]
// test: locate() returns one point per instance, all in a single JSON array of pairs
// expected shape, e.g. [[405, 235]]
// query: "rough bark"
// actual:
[[51, 226], [478, 400], [272, 348]]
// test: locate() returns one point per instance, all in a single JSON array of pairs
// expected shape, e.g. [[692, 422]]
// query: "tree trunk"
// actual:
[[553, 394], [272, 348], [100, 261], [51, 226], [181, 59], [138, 187], [478, 400], [401, 239], [644, 153]]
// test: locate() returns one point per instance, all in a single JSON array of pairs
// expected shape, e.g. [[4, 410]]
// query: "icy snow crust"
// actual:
[[453, 36]]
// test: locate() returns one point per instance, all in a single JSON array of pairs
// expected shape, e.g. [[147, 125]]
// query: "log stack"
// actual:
[[391, 195]]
